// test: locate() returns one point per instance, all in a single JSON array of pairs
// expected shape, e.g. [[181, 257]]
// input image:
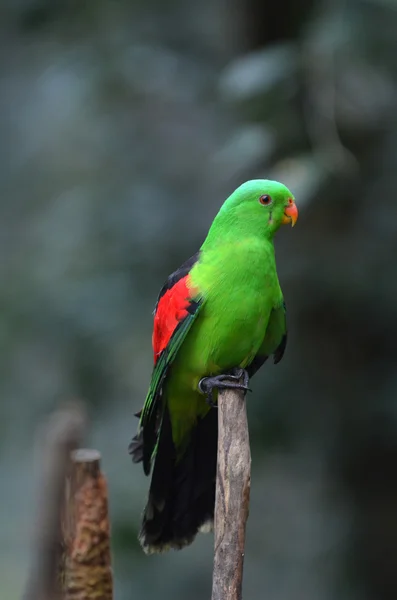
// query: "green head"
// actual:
[[257, 207]]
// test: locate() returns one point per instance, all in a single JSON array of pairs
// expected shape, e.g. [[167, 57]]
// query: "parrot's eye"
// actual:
[[265, 200]]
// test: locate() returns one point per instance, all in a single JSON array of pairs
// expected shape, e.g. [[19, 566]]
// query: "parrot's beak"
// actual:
[[290, 213]]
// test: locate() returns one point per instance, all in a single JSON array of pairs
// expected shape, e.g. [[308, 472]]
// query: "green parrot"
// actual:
[[217, 319]]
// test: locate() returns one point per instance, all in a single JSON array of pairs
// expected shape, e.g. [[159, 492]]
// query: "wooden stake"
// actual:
[[60, 435], [88, 573], [232, 495]]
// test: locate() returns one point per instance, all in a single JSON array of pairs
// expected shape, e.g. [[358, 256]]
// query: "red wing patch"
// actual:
[[171, 310]]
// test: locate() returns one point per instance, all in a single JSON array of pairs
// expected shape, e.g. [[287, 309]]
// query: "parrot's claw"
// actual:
[[238, 373], [225, 381]]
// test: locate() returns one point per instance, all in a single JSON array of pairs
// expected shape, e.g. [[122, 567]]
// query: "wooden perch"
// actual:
[[88, 573], [232, 495], [58, 438]]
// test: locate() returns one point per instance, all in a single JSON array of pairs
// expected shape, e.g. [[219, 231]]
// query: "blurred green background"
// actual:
[[123, 127]]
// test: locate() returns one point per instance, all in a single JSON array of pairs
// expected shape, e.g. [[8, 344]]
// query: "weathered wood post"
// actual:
[[233, 481]]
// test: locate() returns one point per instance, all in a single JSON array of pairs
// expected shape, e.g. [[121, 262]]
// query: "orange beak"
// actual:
[[290, 213]]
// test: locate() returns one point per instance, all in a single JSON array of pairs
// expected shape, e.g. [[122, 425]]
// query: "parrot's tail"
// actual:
[[182, 493]]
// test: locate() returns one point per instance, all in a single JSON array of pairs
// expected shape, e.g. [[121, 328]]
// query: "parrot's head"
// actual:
[[261, 206]]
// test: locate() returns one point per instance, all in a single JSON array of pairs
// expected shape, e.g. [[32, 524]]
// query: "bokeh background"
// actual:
[[123, 127]]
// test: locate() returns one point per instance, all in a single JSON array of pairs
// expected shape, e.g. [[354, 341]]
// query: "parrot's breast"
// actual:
[[240, 287]]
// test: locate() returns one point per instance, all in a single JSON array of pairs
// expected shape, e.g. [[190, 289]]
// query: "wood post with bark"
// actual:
[[61, 434], [71, 556], [233, 482], [88, 573]]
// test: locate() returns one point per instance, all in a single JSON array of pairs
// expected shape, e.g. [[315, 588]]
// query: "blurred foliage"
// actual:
[[123, 127]]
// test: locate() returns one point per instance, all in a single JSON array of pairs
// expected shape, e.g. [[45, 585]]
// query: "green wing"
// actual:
[[275, 340], [143, 445], [152, 411]]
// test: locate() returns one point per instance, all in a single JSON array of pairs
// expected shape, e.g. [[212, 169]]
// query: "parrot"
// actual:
[[217, 319]]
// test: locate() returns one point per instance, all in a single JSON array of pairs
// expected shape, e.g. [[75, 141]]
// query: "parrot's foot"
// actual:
[[225, 381]]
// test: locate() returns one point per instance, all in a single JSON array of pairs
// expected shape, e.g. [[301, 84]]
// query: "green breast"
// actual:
[[240, 286]]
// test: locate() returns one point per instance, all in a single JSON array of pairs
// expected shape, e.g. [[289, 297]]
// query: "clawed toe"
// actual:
[[238, 373], [224, 381]]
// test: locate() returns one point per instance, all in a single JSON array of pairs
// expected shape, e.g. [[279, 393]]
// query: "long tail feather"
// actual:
[[182, 492]]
